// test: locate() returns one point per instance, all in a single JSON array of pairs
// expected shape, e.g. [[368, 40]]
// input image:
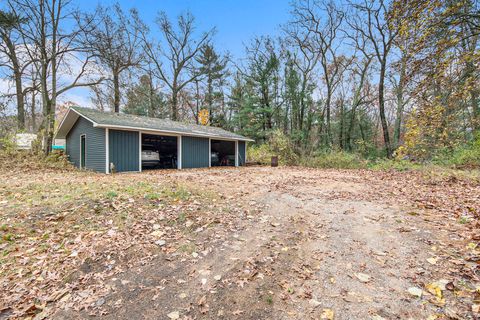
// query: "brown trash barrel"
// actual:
[[275, 161]]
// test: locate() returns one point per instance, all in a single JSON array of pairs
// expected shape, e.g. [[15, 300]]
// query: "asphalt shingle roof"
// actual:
[[111, 119]]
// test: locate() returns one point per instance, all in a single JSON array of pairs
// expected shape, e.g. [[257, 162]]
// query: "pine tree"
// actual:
[[145, 100], [213, 67]]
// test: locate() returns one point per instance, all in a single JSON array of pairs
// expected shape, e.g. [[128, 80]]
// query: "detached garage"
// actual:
[[105, 141]]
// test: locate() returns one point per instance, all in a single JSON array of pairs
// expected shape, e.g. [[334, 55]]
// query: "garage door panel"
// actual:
[[124, 150], [195, 152]]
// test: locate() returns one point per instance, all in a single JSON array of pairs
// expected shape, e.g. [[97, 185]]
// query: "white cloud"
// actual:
[[80, 96]]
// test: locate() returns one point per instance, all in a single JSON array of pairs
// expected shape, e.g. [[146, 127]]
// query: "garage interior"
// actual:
[[166, 146], [222, 153]]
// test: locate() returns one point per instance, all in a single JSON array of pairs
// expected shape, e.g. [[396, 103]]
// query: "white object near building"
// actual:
[[25, 140]]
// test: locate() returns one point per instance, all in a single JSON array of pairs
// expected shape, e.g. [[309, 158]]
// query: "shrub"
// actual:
[[261, 154], [468, 156], [278, 145], [7, 144], [282, 146], [27, 160], [394, 164], [463, 156]]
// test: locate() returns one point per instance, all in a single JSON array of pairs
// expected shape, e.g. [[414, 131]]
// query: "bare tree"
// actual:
[[175, 64], [305, 58], [54, 50], [371, 21], [323, 21], [10, 23], [115, 43]]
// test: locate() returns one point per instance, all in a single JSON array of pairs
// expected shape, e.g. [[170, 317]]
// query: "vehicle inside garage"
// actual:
[[222, 153], [159, 152]]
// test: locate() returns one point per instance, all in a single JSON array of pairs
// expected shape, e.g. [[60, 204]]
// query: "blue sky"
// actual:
[[237, 21]]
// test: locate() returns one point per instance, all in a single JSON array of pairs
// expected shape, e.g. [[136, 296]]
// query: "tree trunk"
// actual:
[[209, 99], [342, 121], [476, 109], [32, 111], [302, 102], [400, 105], [174, 106], [348, 134], [20, 99], [17, 76], [116, 92], [151, 107], [328, 128], [197, 101], [381, 105]]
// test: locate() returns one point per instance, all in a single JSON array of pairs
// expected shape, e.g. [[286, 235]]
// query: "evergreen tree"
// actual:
[[145, 100], [213, 67]]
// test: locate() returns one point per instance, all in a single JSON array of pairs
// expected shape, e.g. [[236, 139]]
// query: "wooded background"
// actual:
[[375, 78]]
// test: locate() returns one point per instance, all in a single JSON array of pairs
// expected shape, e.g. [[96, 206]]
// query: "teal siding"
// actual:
[[94, 145], [124, 150], [241, 153], [195, 152]]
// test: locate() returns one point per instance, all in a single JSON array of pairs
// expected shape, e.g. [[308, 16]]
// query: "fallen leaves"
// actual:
[[103, 236], [60, 250], [174, 315], [327, 314], [363, 277], [432, 260], [416, 292]]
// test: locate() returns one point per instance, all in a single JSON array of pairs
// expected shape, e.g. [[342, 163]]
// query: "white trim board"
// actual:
[[236, 153], [107, 151], [179, 152], [140, 151]]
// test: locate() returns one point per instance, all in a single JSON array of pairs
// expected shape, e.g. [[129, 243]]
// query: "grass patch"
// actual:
[[335, 160], [153, 196], [178, 193], [181, 217], [111, 194], [463, 220], [187, 248], [397, 165]]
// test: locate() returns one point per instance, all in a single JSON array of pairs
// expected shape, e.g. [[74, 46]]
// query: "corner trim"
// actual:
[[236, 153], [179, 152], [139, 151], [107, 151]]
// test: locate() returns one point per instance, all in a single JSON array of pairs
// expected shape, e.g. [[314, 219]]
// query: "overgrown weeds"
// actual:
[[278, 145], [463, 164], [23, 160], [334, 160]]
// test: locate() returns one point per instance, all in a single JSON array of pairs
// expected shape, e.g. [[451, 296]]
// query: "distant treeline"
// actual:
[[381, 78]]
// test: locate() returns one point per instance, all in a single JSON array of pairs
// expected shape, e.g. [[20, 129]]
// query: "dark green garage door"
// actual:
[[124, 150], [241, 153], [195, 152]]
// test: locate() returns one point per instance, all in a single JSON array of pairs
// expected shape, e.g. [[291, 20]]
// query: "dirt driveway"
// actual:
[[253, 243], [301, 244]]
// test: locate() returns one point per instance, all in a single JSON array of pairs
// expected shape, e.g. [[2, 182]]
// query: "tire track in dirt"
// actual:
[[294, 258]]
